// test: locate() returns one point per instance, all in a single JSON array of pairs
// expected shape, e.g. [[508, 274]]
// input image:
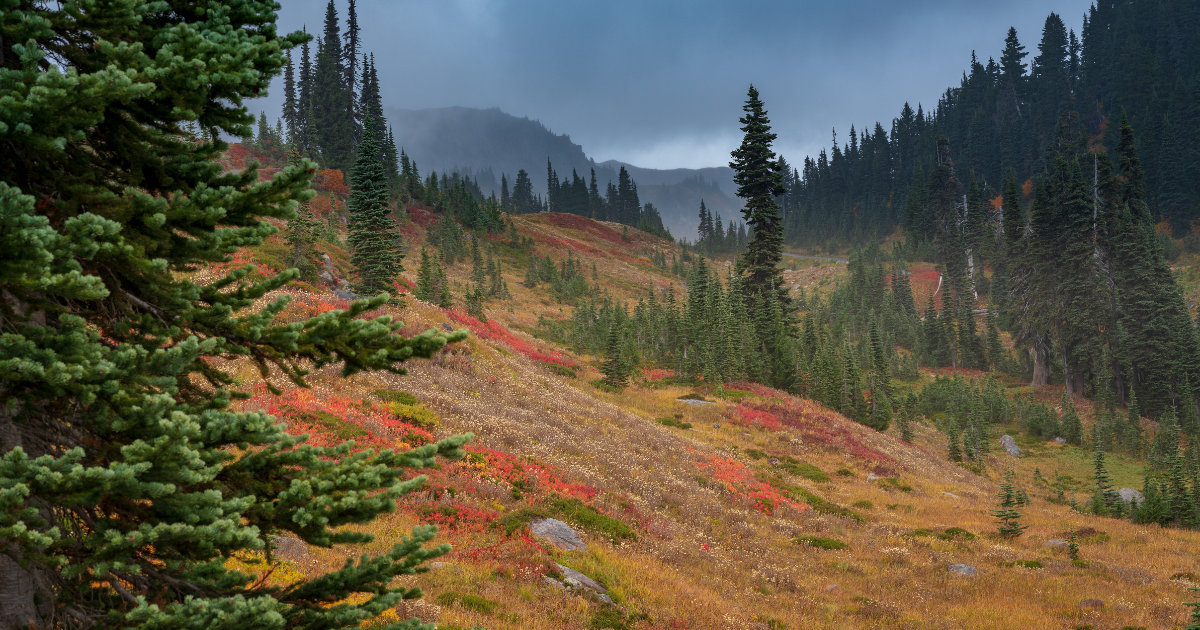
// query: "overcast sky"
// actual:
[[660, 83]]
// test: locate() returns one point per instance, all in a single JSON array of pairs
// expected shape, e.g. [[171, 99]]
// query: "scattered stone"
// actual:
[[1130, 495], [447, 327], [872, 477], [1059, 440], [553, 582], [833, 589], [440, 565], [575, 579], [692, 401], [1010, 445], [1056, 543], [716, 426], [1091, 603], [558, 533], [965, 570], [288, 548], [346, 295], [952, 496], [774, 461]]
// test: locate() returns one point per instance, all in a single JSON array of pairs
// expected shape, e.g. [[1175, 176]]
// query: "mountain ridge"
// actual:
[[487, 143]]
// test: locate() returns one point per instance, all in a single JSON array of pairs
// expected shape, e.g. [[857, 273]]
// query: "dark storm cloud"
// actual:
[[660, 83]]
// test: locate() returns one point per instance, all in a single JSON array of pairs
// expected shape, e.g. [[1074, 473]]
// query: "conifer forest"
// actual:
[[269, 362]]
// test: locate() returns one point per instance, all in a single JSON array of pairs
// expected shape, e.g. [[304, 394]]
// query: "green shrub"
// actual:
[[611, 618], [754, 453], [863, 505], [397, 396], [692, 396], [672, 422], [559, 369], [953, 533], [899, 506], [844, 472], [469, 602], [587, 517], [336, 426], [803, 469], [892, 483], [820, 543], [1028, 564], [820, 505]]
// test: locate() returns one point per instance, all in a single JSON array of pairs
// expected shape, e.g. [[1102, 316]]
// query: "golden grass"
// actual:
[[705, 558]]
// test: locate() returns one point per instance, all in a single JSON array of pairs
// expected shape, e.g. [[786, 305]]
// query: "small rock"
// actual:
[[288, 548], [1091, 603], [447, 327], [604, 598], [440, 565], [952, 496], [1130, 495], [1059, 440], [575, 579], [716, 426], [558, 533], [964, 570], [833, 589], [1056, 543], [553, 582], [346, 295], [774, 461], [872, 477], [1010, 445]]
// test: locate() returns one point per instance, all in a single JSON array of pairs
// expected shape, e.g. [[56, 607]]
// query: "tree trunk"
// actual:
[[20, 606], [1041, 370]]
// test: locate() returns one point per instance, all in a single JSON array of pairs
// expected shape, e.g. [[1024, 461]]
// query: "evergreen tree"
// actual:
[[303, 131], [373, 235], [425, 278], [759, 177], [1103, 499], [290, 105], [613, 368], [1007, 517], [128, 479], [302, 237], [331, 121], [350, 48]]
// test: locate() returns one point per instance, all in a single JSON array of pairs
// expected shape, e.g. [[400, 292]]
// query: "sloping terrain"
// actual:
[[768, 511]]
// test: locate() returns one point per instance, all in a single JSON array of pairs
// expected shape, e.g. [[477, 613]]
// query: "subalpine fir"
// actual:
[[126, 479], [373, 235]]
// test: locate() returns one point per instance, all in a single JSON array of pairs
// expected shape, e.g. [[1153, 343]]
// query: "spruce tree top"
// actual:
[[125, 478], [759, 177]]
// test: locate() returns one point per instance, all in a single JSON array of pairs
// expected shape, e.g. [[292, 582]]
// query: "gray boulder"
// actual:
[[1129, 495], [1010, 445], [579, 583], [1059, 440], [1056, 543], [557, 533], [872, 477], [346, 294], [964, 570]]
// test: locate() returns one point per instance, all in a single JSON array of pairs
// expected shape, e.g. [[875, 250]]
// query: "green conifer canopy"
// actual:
[[126, 479]]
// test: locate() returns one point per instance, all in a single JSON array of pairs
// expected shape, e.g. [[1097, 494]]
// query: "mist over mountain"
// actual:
[[485, 143]]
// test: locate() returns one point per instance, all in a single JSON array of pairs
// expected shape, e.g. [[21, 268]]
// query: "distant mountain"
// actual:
[[485, 143]]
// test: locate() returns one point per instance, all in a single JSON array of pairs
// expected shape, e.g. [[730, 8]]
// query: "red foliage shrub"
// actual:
[[330, 420], [813, 421], [741, 483], [457, 515], [524, 474], [330, 180], [493, 330], [656, 374]]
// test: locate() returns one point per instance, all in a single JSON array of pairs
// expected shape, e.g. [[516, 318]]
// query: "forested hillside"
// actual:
[[1140, 58]]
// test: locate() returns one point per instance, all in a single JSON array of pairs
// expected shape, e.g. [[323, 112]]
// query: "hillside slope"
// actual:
[[731, 523]]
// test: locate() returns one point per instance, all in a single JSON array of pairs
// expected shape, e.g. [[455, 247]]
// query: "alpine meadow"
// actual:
[[299, 330]]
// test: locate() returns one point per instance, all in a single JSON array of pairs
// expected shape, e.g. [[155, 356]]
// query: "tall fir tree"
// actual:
[[759, 178], [290, 104], [373, 237], [332, 126], [128, 480]]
